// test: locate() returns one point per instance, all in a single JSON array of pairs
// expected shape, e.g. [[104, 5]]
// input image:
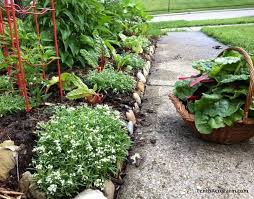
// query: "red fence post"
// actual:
[[56, 47], [21, 69]]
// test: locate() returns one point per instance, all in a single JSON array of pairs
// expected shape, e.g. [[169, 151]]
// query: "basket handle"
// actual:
[[247, 58]]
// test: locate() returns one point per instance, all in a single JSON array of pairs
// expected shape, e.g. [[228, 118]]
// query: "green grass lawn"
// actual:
[[242, 36], [183, 23], [156, 6]]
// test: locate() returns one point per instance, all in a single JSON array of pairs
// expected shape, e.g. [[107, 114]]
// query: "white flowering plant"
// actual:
[[79, 148]]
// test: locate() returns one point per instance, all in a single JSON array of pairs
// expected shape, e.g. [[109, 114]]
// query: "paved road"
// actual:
[[179, 164], [216, 14]]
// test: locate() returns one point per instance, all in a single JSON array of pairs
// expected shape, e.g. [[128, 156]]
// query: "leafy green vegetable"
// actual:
[[222, 101], [183, 90], [78, 89], [232, 78], [213, 111]]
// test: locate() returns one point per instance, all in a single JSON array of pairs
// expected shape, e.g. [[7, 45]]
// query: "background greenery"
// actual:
[[242, 36], [187, 5], [183, 23]]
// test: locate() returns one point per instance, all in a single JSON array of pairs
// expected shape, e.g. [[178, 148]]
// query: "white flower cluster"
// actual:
[[79, 146]]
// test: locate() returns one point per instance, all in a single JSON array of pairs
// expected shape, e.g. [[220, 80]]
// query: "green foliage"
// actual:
[[137, 44], [78, 89], [32, 51], [88, 143], [183, 90], [241, 36], [135, 61], [221, 102], [214, 111], [11, 103], [80, 21], [5, 83], [166, 25], [95, 48], [110, 80]]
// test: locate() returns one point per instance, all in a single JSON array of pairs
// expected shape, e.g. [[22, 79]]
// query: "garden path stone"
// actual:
[[178, 164]]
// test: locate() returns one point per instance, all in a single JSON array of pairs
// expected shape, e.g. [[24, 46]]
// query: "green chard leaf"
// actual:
[[183, 90], [215, 111]]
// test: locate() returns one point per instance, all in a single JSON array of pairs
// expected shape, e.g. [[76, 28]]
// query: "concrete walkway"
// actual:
[[203, 15], [175, 163]]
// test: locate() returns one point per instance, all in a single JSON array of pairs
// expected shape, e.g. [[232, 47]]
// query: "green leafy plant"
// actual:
[[123, 60], [11, 103], [110, 80], [135, 61], [217, 95], [76, 87], [136, 44], [5, 84], [88, 141], [95, 48]]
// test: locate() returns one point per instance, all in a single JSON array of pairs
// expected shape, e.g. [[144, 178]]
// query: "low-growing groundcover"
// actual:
[[217, 95], [110, 80], [79, 148]]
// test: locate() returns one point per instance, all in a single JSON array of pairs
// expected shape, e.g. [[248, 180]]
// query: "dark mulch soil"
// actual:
[[20, 128]]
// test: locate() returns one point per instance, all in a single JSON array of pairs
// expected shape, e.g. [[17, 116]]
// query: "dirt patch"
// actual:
[[20, 128]]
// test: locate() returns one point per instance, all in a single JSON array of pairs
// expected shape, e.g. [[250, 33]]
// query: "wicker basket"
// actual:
[[241, 131]]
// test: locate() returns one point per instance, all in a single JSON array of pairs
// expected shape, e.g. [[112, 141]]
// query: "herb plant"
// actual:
[[5, 84], [11, 103], [110, 80], [88, 143], [135, 61]]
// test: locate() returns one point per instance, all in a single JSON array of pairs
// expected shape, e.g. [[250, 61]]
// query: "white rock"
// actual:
[[136, 158], [148, 57], [141, 86], [8, 154], [152, 49], [90, 194], [137, 98], [35, 193], [136, 108], [141, 77], [130, 127], [148, 65], [109, 189], [131, 116], [145, 72], [25, 182]]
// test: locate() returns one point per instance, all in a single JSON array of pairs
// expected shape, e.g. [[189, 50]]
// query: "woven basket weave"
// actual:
[[241, 131]]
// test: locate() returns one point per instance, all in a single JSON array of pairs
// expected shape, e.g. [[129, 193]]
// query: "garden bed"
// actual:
[[68, 126]]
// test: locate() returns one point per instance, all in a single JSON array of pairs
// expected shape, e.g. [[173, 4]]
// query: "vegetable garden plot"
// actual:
[[101, 68], [17, 58]]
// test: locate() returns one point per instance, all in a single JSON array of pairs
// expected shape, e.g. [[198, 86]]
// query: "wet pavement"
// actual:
[[175, 163]]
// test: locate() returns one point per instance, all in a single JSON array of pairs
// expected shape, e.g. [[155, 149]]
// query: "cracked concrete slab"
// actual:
[[179, 165]]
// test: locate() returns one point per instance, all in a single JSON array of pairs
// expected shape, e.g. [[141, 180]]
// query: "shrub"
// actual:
[[79, 148], [111, 80]]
